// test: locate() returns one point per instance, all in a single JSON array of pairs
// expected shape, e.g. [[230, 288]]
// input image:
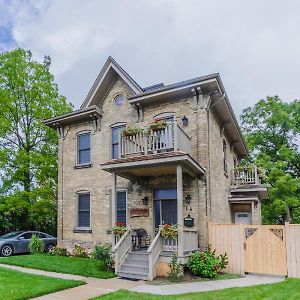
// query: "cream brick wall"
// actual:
[[98, 182]]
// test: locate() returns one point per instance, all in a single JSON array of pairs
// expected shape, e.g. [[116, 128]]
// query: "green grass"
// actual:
[[286, 290], [18, 285], [70, 265]]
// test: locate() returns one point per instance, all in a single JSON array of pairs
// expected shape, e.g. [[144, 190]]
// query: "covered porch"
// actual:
[[167, 202]]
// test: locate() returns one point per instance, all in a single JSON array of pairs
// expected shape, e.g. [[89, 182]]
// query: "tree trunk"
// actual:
[[288, 214]]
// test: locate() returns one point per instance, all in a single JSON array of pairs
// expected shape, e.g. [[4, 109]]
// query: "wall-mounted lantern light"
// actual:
[[185, 121], [145, 200], [188, 199]]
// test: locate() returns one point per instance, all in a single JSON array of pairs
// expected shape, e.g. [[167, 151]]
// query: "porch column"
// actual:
[[113, 198], [180, 209]]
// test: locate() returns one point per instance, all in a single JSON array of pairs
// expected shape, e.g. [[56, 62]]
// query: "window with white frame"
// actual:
[[84, 148], [116, 131], [84, 210]]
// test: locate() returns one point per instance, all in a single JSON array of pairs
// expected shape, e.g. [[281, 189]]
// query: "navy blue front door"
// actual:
[[165, 206]]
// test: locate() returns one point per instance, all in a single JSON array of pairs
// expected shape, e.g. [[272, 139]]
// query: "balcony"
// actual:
[[246, 184], [154, 153], [245, 176], [171, 138]]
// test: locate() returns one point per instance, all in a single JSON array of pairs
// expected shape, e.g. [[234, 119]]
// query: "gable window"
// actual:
[[118, 100], [225, 157], [84, 210], [116, 141], [121, 207], [84, 149]]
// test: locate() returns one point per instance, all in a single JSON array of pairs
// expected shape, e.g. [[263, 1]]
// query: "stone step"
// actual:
[[141, 276], [138, 262], [134, 269], [138, 256]]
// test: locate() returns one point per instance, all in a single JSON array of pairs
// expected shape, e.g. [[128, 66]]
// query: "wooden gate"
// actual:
[[265, 249]]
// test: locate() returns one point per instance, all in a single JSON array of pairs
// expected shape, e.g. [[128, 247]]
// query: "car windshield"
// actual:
[[11, 235]]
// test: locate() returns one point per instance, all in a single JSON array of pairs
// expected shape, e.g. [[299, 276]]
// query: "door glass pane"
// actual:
[[169, 211]]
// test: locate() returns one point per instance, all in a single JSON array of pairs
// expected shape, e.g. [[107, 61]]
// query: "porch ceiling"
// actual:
[[153, 165]]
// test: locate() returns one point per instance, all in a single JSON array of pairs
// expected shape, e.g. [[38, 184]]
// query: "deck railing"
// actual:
[[172, 137], [245, 176]]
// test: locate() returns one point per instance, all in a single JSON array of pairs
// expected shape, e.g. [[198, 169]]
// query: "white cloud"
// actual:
[[254, 44]]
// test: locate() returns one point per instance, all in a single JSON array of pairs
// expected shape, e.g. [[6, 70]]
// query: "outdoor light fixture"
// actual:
[[187, 199], [145, 200], [185, 121]]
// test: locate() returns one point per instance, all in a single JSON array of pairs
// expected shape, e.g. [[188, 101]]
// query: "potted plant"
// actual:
[[169, 231], [131, 131], [119, 229], [158, 124]]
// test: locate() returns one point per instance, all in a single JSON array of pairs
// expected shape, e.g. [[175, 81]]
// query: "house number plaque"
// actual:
[[139, 212]]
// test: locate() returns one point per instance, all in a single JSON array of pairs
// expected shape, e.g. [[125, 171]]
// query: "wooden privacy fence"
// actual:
[[265, 249]]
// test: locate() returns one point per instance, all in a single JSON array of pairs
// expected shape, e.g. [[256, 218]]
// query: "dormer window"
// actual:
[[119, 100]]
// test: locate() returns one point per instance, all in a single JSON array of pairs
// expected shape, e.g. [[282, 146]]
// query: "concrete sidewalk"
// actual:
[[96, 287], [93, 287], [204, 286]]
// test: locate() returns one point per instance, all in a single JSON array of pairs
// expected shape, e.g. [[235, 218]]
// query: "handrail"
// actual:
[[121, 249], [154, 251]]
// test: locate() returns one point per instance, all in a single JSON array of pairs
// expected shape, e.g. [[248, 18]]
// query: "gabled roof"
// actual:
[[108, 73]]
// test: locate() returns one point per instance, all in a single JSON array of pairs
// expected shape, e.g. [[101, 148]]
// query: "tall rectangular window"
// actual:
[[84, 210], [84, 148], [121, 207], [225, 157], [115, 141]]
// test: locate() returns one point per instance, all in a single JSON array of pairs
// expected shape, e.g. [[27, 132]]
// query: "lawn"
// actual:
[[288, 289], [18, 285], [62, 264]]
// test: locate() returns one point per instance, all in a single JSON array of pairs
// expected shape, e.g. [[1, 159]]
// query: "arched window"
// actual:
[[119, 100]]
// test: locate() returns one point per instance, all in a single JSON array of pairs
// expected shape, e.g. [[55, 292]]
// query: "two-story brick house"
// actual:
[[186, 173]]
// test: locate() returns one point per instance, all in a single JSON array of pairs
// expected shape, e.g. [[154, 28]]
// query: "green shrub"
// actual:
[[176, 269], [102, 252], [79, 251], [59, 251], [207, 264], [36, 245]]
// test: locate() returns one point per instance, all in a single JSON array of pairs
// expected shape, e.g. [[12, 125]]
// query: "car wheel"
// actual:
[[49, 247], [7, 250]]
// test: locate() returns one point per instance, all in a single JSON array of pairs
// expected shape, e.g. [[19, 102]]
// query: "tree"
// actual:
[[272, 130], [28, 149]]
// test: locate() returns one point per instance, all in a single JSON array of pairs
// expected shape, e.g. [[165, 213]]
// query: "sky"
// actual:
[[254, 45]]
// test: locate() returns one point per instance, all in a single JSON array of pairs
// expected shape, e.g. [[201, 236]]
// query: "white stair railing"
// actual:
[[154, 251], [120, 250]]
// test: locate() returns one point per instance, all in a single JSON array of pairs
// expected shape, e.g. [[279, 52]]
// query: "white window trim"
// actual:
[[77, 148]]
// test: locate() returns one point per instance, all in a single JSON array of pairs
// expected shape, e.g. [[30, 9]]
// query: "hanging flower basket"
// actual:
[[158, 124], [169, 231], [119, 229], [131, 131]]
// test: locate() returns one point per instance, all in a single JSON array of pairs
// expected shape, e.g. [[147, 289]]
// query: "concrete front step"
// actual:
[[134, 268], [138, 262], [141, 276]]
